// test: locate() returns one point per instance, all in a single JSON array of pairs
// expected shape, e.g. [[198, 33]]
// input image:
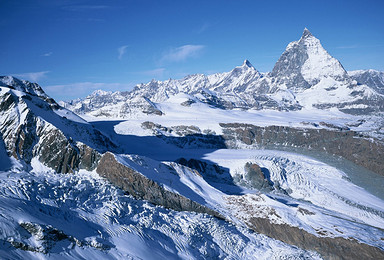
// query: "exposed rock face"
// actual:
[[304, 63], [350, 145], [202, 167], [186, 136], [329, 248], [30, 127], [141, 187], [262, 219], [257, 177]]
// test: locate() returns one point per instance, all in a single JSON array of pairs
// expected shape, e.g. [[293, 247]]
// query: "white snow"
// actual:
[[111, 225], [319, 64], [101, 222]]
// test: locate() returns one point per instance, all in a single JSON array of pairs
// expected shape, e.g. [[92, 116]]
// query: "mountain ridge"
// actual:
[[305, 76]]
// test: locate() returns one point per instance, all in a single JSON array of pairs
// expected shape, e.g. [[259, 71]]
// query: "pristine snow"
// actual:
[[319, 63], [98, 215]]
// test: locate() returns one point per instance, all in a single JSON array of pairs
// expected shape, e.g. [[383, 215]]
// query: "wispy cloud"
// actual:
[[79, 89], [32, 76], [47, 54], [182, 53], [157, 73], [203, 28], [121, 50]]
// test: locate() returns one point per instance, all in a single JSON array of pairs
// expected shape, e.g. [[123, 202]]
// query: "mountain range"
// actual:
[[236, 165], [306, 76]]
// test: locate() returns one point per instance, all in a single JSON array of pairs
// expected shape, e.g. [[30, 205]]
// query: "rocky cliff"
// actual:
[[363, 151], [32, 127]]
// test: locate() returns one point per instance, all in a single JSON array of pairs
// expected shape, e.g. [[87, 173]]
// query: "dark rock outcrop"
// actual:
[[257, 177], [351, 145], [140, 187], [30, 127], [330, 248], [186, 136]]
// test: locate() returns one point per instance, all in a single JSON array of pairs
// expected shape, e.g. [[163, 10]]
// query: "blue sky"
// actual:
[[73, 47]]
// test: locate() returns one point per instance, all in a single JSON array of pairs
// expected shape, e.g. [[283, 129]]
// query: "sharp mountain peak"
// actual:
[[306, 33]]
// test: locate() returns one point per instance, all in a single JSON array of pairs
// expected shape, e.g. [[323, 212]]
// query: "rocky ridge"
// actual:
[[32, 126]]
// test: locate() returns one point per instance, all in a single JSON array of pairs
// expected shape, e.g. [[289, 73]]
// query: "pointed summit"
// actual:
[[305, 63], [246, 63], [306, 33]]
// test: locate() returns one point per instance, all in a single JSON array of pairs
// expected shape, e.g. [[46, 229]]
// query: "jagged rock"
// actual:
[[257, 177], [202, 167], [188, 103], [30, 128]]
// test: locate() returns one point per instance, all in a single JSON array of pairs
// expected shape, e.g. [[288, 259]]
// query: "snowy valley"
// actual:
[[235, 165]]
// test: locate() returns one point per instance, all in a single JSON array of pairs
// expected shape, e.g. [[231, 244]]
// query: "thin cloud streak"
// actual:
[[203, 28], [32, 76], [182, 53], [48, 54], [121, 50]]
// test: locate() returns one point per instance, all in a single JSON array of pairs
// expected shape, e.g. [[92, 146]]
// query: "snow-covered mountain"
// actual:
[[306, 76], [33, 125], [371, 78], [236, 165]]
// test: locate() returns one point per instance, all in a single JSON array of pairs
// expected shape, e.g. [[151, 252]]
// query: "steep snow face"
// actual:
[[319, 63], [22, 85], [329, 92], [236, 80], [304, 63]]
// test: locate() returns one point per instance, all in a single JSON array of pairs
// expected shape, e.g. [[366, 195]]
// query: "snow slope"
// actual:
[[54, 216]]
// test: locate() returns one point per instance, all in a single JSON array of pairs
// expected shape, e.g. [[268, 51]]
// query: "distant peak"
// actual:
[[306, 33], [100, 92], [246, 63]]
